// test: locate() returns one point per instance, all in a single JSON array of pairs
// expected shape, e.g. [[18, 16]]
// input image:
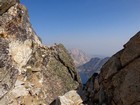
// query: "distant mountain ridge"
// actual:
[[93, 66], [87, 65]]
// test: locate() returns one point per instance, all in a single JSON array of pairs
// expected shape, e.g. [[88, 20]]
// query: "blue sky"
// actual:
[[98, 27]]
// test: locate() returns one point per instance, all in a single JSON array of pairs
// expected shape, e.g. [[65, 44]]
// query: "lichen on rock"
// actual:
[[30, 73]]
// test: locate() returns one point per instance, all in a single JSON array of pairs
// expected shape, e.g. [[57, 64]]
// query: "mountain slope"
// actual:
[[30, 73]]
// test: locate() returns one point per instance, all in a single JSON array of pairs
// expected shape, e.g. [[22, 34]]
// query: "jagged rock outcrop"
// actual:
[[70, 98], [30, 73], [119, 80], [90, 91]]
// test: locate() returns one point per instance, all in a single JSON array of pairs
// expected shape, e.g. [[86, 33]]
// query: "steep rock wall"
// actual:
[[119, 80]]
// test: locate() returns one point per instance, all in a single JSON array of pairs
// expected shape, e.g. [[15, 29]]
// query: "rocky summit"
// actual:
[[30, 73], [119, 80]]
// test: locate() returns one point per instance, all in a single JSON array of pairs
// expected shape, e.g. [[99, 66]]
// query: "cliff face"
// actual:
[[120, 77], [30, 73], [119, 80]]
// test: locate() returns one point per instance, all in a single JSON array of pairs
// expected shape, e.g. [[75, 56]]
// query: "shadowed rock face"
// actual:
[[119, 80], [30, 73], [120, 76]]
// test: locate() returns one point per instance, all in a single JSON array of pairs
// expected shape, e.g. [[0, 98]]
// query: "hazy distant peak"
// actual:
[[78, 56]]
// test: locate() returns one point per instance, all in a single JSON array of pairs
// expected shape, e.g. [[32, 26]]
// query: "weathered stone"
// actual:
[[30, 73], [70, 98], [122, 87], [119, 80], [6, 4], [19, 89], [20, 51], [132, 50], [111, 67], [89, 94], [126, 82]]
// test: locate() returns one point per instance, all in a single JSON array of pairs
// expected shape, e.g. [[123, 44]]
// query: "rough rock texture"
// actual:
[[30, 73], [70, 98], [119, 80], [6, 4], [90, 91]]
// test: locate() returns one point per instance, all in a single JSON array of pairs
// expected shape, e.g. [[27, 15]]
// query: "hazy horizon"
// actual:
[[97, 27]]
